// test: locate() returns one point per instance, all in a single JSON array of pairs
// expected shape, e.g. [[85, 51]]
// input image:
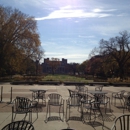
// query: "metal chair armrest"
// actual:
[[34, 103]]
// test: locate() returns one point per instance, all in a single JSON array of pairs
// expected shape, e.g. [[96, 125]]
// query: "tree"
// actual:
[[54, 63], [94, 66], [73, 68], [82, 67], [37, 58], [19, 39], [117, 49]]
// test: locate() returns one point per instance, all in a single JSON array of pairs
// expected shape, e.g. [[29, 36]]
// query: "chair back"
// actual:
[[55, 99], [98, 88], [74, 100], [81, 87], [22, 104], [71, 92], [122, 93], [77, 87], [83, 92], [122, 123], [19, 125]]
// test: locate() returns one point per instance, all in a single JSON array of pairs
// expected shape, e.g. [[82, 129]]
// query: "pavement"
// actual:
[[40, 124]]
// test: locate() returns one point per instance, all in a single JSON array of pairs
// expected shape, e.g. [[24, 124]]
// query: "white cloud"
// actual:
[[53, 53], [83, 36], [68, 12], [72, 57], [101, 10]]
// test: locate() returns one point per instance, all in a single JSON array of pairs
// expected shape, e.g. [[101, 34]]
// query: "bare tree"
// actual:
[[117, 49]]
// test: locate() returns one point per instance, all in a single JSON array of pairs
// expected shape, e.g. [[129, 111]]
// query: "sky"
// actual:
[[71, 29]]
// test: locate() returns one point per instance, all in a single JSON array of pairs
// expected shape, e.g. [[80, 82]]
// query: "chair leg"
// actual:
[[66, 112], [30, 116], [13, 117], [114, 101], [105, 106], [62, 107], [121, 100], [49, 110], [111, 100], [60, 112], [110, 107], [46, 114]]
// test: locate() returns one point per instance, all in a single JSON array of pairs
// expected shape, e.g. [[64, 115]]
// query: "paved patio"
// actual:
[[39, 124]]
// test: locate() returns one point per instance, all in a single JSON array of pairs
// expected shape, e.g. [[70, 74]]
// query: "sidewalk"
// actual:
[[39, 124]]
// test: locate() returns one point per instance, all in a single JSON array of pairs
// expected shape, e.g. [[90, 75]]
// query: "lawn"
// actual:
[[64, 78]]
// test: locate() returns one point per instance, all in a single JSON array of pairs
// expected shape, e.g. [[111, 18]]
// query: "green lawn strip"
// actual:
[[63, 78]]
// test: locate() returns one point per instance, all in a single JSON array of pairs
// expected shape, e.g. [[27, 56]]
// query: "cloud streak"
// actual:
[[67, 12]]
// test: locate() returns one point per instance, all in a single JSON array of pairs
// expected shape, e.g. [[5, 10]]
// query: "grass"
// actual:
[[64, 78]]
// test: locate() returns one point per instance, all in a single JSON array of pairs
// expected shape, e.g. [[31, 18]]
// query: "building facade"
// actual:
[[60, 68]]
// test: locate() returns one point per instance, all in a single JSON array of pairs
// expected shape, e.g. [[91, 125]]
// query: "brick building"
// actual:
[[62, 68]]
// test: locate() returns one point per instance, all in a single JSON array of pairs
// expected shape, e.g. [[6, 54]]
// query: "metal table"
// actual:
[[97, 92], [38, 94]]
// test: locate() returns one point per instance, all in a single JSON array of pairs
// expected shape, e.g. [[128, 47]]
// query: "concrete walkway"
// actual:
[[39, 124]]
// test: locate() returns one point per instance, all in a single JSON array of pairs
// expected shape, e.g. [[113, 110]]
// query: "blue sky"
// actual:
[[72, 28]]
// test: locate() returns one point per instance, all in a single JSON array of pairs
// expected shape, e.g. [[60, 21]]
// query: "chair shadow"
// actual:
[[75, 118], [119, 107], [40, 107], [108, 117], [53, 118], [94, 124]]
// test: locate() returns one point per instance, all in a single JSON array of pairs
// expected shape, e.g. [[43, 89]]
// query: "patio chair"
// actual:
[[127, 102], [118, 95], [55, 100], [37, 95], [74, 101], [77, 87], [83, 91], [23, 105], [72, 92], [81, 87], [19, 125], [91, 111], [104, 100], [122, 122]]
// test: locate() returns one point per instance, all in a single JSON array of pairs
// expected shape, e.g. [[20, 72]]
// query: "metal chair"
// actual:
[[122, 123], [91, 111], [118, 95], [74, 101], [55, 100], [23, 105], [104, 100], [72, 92], [83, 91], [127, 102], [37, 95], [19, 125], [81, 87]]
